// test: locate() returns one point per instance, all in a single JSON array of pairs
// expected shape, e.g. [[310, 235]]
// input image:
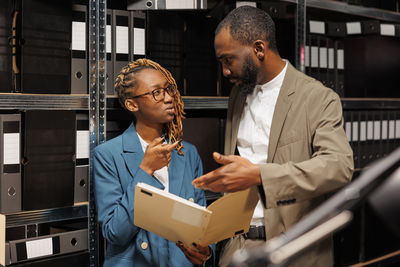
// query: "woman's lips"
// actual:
[[170, 110]]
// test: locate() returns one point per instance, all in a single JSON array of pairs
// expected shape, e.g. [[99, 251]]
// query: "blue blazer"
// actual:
[[116, 172]]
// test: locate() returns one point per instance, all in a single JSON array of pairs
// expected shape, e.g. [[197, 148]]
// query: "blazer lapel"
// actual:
[[132, 149], [281, 110], [238, 106], [176, 172]]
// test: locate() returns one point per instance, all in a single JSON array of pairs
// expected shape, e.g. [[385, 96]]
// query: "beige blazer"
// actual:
[[308, 155]]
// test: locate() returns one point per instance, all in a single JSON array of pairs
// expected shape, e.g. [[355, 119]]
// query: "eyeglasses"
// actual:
[[159, 94]]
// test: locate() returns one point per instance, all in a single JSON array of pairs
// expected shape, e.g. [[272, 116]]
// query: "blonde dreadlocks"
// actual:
[[125, 80]]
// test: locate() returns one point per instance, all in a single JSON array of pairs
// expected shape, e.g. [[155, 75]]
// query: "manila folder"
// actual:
[[178, 219]]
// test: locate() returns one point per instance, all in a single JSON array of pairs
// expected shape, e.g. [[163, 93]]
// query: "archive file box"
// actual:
[[187, 54], [57, 242], [5, 47], [10, 158], [81, 180], [125, 41], [48, 160], [45, 46], [79, 64], [79, 47], [78, 259], [138, 35], [166, 4], [178, 219], [324, 61], [120, 41], [109, 48]]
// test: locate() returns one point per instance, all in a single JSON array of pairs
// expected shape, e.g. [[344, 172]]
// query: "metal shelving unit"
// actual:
[[96, 103], [80, 102], [46, 215], [48, 102], [370, 103], [354, 10]]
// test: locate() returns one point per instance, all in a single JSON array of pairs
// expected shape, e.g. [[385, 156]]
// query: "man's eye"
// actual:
[[227, 61]]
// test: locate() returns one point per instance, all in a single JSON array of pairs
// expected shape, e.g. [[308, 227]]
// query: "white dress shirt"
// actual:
[[161, 174], [255, 127]]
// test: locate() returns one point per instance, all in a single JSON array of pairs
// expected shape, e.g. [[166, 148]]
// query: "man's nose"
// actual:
[[226, 72]]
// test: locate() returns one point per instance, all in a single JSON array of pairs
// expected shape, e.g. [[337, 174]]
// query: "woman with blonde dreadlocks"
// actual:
[[149, 151]]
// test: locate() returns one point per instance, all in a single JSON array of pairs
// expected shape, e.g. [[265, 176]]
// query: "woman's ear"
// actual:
[[131, 105]]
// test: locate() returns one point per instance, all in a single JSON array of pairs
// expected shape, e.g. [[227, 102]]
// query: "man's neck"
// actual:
[[274, 64]]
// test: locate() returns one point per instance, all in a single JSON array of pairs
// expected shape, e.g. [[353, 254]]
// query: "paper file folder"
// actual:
[[137, 35], [336, 29], [120, 49], [10, 158], [109, 49], [49, 154], [46, 46], [46, 246], [166, 4], [82, 158], [5, 48], [178, 219], [79, 50]]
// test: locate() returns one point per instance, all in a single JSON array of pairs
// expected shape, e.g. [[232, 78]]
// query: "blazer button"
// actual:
[[191, 199], [144, 245]]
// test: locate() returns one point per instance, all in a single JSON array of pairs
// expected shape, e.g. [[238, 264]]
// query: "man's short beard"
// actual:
[[249, 79]]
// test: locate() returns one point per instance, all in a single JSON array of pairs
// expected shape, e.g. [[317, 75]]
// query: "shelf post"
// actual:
[[300, 34]]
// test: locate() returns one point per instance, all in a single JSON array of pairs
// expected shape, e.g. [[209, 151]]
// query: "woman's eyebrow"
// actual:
[[159, 85]]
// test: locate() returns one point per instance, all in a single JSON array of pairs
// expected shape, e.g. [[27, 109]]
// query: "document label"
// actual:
[[39, 248], [11, 148]]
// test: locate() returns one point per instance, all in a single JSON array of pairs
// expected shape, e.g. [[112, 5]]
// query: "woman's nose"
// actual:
[[167, 97]]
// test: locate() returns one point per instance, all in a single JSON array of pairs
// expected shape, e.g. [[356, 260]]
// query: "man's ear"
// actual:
[[131, 105], [259, 49]]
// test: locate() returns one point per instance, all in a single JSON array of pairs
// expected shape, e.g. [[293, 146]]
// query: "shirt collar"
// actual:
[[276, 82]]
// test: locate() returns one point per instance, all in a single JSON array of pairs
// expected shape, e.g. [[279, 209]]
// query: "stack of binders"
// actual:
[[324, 54], [372, 134], [35, 53], [125, 41], [45, 38], [166, 4], [44, 164]]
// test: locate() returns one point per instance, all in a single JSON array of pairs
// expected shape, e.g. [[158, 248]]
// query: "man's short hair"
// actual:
[[248, 24]]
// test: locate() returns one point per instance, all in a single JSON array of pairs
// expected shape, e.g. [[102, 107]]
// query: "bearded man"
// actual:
[[284, 134]]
